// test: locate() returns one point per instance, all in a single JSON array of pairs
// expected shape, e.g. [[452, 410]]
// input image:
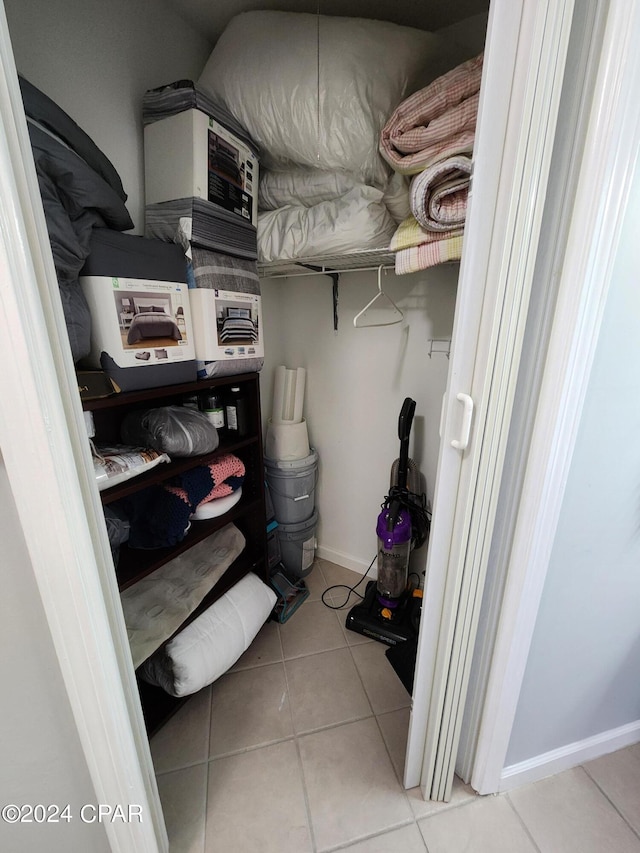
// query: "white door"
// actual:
[[522, 78]]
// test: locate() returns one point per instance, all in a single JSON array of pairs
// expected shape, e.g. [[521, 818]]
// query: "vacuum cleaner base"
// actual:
[[365, 618]]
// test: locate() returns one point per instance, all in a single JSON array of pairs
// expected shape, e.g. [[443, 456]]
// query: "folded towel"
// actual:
[[440, 251], [440, 193], [436, 122], [410, 233]]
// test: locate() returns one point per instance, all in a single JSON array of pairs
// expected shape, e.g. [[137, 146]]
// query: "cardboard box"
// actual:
[[226, 324], [191, 155], [137, 325], [141, 333]]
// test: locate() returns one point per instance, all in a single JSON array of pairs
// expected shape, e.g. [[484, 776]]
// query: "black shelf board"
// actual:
[[127, 398]]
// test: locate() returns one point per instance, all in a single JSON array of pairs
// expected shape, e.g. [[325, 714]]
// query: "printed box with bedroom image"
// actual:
[[226, 324], [191, 155], [141, 332], [138, 324]]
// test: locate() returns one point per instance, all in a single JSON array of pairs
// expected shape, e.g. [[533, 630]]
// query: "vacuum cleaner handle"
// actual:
[[404, 431]]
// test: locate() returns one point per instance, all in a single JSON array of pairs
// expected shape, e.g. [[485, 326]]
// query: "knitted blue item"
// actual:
[[159, 515]]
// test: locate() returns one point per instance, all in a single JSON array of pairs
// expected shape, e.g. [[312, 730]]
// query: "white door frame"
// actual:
[[522, 81], [45, 451], [611, 151]]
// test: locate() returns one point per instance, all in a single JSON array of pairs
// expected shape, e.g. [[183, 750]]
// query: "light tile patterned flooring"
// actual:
[[300, 747]]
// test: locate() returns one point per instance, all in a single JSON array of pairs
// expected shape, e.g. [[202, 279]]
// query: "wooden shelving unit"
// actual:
[[248, 514]]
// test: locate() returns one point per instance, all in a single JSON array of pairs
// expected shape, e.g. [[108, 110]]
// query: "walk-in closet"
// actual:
[[373, 308]]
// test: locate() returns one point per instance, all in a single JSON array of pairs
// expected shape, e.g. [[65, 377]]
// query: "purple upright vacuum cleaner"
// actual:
[[388, 610]]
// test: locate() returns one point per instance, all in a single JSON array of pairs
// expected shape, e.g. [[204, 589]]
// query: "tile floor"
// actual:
[[300, 747]]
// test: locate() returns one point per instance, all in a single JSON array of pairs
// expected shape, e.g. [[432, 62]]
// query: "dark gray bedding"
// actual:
[[152, 325], [80, 191]]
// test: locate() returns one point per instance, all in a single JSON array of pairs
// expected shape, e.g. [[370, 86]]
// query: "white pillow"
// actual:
[[214, 641], [264, 68]]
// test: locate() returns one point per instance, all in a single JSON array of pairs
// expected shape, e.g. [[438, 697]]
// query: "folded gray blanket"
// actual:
[[80, 190], [182, 95], [197, 222], [216, 271]]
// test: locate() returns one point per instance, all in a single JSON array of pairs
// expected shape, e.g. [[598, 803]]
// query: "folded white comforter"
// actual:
[[359, 219]]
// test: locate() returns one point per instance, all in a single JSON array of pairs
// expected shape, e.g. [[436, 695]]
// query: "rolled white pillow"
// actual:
[[214, 641]]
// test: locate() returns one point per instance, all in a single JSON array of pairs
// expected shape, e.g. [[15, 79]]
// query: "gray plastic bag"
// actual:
[[175, 430]]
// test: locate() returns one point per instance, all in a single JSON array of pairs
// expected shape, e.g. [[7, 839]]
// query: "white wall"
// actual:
[[96, 59], [357, 380], [582, 677], [41, 759]]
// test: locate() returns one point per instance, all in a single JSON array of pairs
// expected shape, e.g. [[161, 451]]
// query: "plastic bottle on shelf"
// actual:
[[213, 408], [237, 412]]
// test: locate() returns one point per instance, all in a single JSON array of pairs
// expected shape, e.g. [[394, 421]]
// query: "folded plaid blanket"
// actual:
[[439, 251], [436, 122], [410, 233], [439, 195]]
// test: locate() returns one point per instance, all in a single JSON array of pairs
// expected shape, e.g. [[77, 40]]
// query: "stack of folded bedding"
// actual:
[[182, 95], [431, 136], [81, 191], [160, 515], [324, 188], [194, 221]]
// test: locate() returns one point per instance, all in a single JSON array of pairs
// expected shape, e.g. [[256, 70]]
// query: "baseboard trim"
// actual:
[[347, 561], [566, 757]]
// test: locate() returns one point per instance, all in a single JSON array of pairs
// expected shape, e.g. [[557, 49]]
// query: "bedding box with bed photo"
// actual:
[[226, 324], [214, 164], [141, 331]]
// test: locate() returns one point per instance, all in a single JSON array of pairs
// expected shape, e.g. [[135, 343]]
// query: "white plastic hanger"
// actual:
[[389, 303]]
